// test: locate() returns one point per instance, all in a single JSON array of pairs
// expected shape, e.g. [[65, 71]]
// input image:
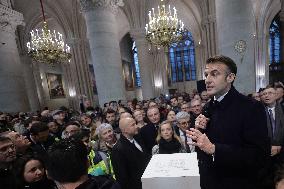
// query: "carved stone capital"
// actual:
[[10, 19], [111, 5], [138, 35]]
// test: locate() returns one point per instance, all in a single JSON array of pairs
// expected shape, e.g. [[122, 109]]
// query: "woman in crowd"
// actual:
[[29, 173], [168, 141], [88, 123]]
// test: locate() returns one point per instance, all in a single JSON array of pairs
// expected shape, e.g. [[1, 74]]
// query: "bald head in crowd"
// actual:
[[128, 127]]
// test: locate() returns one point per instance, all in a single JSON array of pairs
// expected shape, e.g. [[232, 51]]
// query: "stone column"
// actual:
[[78, 73], [145, 63], [13, 95], [31, 89], [104, 45], [235, 21], [209, 31]]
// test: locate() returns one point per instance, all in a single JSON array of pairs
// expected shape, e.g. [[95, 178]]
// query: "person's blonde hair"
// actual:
[[174, 133]]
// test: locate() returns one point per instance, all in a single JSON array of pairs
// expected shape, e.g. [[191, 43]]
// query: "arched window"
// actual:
[[274, 41], [182, 59], [136, 64]]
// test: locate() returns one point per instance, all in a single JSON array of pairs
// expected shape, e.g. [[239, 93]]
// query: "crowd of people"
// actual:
[[110, 147]]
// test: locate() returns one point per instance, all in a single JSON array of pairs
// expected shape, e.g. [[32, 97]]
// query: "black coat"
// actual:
[[148, 134], [129, 163], [238, 129], [99, 182]]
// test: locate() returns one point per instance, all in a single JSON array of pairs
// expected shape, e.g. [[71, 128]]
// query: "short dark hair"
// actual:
[[72, 123], [276, 86], [110, 111], [67, 161], [173, 97], [225, 60], [269, 86], [81, 135], [38, 127]]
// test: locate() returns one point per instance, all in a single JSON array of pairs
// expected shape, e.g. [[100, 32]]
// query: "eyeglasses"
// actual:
[[184, 123], [268, 93]]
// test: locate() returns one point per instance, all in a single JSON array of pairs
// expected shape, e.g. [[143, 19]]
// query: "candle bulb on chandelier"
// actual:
[[153, 12], [146, 28]]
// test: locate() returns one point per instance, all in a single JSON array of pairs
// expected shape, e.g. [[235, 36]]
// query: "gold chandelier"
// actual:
[[164, 28], [47, 46]]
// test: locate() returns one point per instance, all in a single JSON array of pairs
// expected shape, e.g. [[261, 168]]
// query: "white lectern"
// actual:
[[168, 171]]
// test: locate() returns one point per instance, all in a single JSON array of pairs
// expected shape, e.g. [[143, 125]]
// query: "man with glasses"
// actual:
[[183, 123], [7, 157], [275, 126]]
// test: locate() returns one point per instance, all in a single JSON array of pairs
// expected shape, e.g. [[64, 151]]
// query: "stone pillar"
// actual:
[[145, 63], [13, 95], [104, 45], [78, 73], [30, 84], [235, 21], [209, 30], [160, 70]]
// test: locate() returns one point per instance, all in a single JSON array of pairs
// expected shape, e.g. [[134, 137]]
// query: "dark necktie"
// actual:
[[185, 142], [272, 122]]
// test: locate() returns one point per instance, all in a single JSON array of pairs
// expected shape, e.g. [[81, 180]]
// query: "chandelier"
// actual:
[[164, 28], [48, 46]]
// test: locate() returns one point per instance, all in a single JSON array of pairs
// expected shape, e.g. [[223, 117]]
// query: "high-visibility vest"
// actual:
[[100, 164]]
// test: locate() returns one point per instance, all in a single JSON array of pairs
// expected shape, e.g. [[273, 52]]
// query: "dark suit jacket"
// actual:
[[129, 163], [148, 134], [278, 138], [238, 129]]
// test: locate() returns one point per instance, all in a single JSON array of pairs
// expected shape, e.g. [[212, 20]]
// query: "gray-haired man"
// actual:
[[183, 123]]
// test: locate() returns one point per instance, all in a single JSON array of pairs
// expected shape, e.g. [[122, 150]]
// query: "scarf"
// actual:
[[169, 147]]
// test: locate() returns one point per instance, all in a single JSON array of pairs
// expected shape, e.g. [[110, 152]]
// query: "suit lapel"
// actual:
[[131, 145]]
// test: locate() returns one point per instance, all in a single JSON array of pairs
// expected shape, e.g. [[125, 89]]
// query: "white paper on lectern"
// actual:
[[172, 165]]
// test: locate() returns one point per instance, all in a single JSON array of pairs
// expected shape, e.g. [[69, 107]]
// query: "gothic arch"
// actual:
[[268, 11]]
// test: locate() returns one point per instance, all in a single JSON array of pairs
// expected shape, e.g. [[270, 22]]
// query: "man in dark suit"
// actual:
[[275, 126], [129, 156], [233, 142], [149, 132]]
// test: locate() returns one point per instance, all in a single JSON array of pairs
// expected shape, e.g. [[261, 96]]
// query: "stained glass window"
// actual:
[[274, 41], [182, 59], [136, 64]]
